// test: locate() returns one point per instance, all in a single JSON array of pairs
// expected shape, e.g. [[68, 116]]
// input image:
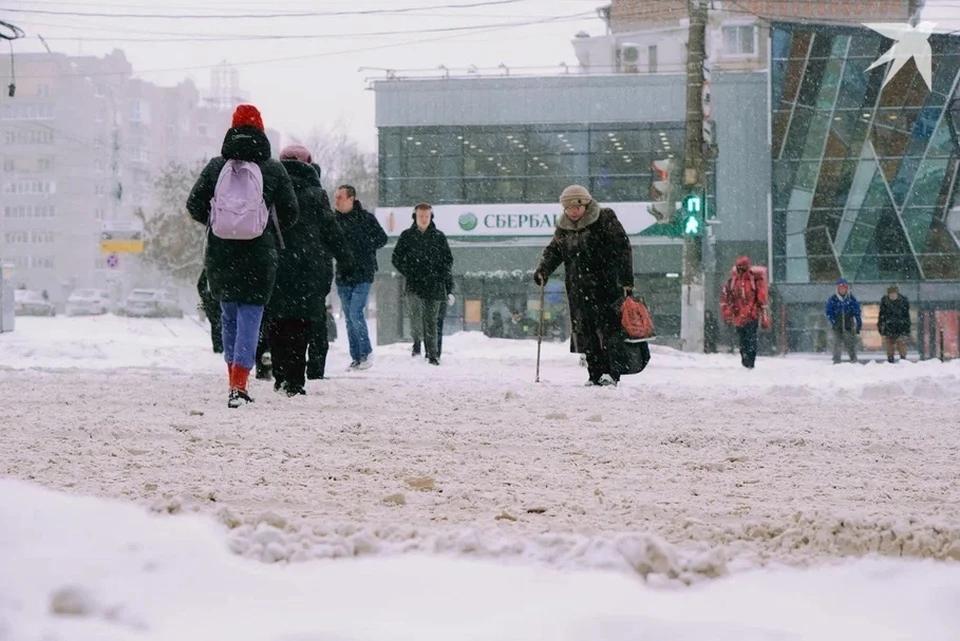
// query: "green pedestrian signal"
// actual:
[[693, 204], [691, 215]]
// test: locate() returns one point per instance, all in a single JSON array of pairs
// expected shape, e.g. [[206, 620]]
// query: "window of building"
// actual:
[[42, 237], [98, 190], [30, 187], [43, 90], [520, 164], [44, 164], [29, 137], [42, 262], [139, 111], [101, 114], [9, 164], [15, 237], [28, 112], [652, 58], [740, 40]]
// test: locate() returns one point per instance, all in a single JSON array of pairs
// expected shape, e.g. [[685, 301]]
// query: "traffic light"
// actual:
[[691, 215], [664, 207]]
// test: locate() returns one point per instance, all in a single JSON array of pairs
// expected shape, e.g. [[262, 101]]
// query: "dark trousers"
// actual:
[[216, 331], [318, 346], [747, 336], [598, 358], [441, 316], [423, 322], [263, 346], [844, 339], [288, 347]]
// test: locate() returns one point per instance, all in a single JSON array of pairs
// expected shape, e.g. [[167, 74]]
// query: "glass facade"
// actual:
[[863, 175], [521, 164]]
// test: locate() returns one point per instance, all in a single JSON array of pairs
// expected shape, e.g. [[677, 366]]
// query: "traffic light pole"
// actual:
[[694, 179]]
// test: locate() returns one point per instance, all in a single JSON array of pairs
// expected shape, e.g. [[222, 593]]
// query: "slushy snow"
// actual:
[[87, 568], [696, 477]]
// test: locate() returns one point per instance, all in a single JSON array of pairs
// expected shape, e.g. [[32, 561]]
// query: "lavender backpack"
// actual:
[[237, 209]]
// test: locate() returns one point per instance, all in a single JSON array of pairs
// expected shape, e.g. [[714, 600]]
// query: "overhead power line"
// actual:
[[258, 16], [313, 36], [319, 55]]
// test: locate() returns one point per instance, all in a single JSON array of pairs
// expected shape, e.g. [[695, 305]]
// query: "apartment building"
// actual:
[[649, 36], [83, 142]]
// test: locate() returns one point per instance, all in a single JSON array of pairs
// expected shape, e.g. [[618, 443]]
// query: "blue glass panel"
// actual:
[[781, 41], [830, 84], [901, 184], [778, 71]]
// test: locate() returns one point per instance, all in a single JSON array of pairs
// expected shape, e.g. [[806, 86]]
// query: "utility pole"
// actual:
[[694, 180]]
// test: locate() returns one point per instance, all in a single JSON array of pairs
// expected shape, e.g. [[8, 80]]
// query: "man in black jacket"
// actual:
[[894, 322], [364, 237], [423, 257]]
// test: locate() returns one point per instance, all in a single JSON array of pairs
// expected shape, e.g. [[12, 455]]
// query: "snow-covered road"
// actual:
[[793, 462]]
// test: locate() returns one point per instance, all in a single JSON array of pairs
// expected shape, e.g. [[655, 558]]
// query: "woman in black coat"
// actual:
[[303, 276], [320, 327], [595, 251], [894, 322], [241, 273]]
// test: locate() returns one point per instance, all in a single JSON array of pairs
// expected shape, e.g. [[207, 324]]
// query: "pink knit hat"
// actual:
[[296, 152]]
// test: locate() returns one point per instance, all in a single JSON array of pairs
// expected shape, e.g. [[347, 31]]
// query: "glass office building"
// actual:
[[452, 165], [864, 175]]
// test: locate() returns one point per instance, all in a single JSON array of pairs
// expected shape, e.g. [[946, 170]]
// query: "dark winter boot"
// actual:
[[416, 349], [238, 398]]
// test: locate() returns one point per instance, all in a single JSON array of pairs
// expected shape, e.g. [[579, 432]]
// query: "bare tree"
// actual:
[[343, 162], [173, 241]]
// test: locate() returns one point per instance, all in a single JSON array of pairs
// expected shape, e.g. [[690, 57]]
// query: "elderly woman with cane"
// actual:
[[594, 249]]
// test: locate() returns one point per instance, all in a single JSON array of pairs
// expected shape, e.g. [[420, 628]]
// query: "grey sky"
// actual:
[[323, 82], [319, 81]]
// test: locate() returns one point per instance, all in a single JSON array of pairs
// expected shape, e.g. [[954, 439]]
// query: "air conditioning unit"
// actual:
[[629, 58]]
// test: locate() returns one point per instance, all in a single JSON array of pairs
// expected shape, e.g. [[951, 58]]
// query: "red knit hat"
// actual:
[[247, 116]]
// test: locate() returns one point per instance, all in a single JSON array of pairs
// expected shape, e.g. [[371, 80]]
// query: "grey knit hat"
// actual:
[[575, 195]]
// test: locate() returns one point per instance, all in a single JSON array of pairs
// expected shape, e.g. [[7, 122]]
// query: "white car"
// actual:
[[27, 302], [156, 303], [88, 302]]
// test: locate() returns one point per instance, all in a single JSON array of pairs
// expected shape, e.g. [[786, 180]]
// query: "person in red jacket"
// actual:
[[742, 303]]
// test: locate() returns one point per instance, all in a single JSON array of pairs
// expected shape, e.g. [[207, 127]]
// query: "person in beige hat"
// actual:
[[595, 251]]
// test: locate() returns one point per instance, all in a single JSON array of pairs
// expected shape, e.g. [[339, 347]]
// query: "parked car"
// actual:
[[88, 302], [155, 303], [28, 302]]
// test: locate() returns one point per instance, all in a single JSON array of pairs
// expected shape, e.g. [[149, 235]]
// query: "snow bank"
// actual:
[[80, 568]]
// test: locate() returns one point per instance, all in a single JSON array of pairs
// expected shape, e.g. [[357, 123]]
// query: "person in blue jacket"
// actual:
[[843, 312]]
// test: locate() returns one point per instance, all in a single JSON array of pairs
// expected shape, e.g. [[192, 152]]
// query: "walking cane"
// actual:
[[540, 329]]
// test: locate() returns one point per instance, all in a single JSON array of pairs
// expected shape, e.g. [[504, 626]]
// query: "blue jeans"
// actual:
[[353, 299], [241, 332]]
